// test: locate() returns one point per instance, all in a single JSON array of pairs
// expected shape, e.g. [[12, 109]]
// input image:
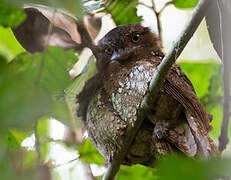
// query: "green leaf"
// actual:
[[9, 46], [10, 140], [89, 153], [137, 172], [20, 101], [32, 86], [11, 15], [78, 84], [2, 149], [200, 74], [179, 167], [217, 167], [72, 6], [5, 170], [123, 12], [49, 73], [12, 162], [184, 4], [43, 127], [29, 159], [19, 135]]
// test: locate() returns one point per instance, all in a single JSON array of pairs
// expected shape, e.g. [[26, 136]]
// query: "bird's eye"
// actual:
[[108, 50], [136, 37]]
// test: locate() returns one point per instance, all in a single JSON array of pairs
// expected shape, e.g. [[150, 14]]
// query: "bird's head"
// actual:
[[126, 43]]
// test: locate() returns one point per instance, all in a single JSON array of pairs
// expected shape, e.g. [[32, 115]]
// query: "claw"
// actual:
[[158, 133], [160, 129]]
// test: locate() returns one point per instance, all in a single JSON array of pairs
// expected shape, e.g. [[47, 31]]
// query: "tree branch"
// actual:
[[68, 162], [145, 5], [166, 5], [157, 20], [156, 83], [157, 13], [223, 137]]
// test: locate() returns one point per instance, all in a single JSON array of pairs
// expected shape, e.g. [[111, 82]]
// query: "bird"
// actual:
[[176, 123]]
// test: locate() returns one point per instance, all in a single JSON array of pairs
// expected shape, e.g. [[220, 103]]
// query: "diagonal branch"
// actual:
[[156, 83]]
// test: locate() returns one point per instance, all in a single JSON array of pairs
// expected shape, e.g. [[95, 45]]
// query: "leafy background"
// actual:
[[38, 100]]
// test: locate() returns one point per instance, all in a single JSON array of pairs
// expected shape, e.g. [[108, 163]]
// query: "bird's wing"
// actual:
[[182, 138], [188, 139], [191, 136], [180, 88]]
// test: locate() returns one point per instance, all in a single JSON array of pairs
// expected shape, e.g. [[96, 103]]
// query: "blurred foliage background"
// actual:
[[40, 136]]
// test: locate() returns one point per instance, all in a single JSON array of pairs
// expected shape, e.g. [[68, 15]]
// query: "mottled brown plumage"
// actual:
[[177, 121]]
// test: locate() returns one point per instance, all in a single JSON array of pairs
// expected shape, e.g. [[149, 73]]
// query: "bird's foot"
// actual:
[[160, 129]]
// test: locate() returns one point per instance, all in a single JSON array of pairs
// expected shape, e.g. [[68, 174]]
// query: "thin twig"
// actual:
[[156, 83], [166, 5], [37, 145], [68, 162], [145, 5], [89, 171], [159, 27], [154, 7], [109, 11], [158, 14], [223, 137]]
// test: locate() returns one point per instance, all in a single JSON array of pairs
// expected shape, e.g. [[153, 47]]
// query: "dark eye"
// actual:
[[136, 37], [108, 50]]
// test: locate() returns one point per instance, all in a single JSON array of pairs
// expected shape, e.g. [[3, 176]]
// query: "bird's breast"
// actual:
[[115, 106]]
